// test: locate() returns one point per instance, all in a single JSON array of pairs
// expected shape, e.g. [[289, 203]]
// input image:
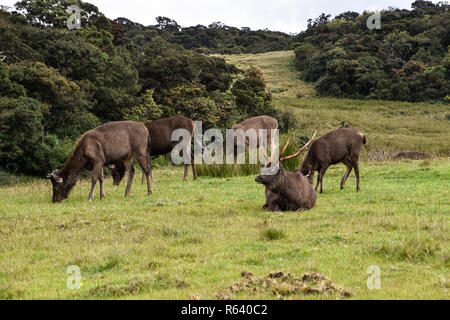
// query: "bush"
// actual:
[[21, 133]]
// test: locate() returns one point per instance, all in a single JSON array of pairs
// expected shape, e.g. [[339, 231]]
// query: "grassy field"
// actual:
[[192, 240], [195, 240]]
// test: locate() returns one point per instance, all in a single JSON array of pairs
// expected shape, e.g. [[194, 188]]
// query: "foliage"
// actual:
[[404, 60], [146, 111], [64, 82], [217, 37]]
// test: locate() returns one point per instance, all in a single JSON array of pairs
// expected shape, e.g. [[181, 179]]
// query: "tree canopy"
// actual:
[[407, 59]]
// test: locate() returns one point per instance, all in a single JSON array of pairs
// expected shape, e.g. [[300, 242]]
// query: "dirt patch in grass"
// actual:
[[284, 285]]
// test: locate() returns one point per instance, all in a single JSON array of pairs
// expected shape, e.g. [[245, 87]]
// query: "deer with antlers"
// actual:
[[286, 191]]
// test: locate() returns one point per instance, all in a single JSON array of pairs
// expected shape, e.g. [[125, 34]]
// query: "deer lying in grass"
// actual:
[[110, 143], [414, 155], [161, 135], [287, 191], [342, 145]]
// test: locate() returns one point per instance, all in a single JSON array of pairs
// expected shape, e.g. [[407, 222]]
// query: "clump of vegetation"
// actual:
[[272, 234], [411, 249], [7, 179], [242, 170], [136, 286], [282, 285], [167, 232]]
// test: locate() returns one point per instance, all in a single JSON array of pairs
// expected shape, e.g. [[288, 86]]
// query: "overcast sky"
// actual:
[[278, 15]]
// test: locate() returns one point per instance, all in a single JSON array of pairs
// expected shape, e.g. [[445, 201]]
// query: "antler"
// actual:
[[301, 150], [285, 147], [264, 153]]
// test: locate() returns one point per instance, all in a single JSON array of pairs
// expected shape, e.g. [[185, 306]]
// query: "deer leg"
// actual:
[[346, 175], [354, 159], [96, 172], [151, 177], [130, 169], [194, 167], [320, 179], [145, 164], [186, 172], [357, 177], [102, 190], [318, 176], [318, 182]]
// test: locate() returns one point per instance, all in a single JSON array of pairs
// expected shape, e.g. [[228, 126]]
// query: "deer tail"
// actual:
[[364, 139]]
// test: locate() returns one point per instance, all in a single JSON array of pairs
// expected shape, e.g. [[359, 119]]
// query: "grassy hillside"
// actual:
[[192, 240], [390, 125], [279, 70]]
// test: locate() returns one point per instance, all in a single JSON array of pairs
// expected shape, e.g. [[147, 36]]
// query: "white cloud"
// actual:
[[277, 15]]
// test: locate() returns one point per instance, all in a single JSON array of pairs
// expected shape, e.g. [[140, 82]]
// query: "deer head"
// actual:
[[273, 171]]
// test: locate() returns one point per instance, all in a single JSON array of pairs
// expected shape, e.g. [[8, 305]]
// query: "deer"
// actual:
[[413, 155], [114, 142], [257, 123], [161, 136], [338, 146], [286, 191]]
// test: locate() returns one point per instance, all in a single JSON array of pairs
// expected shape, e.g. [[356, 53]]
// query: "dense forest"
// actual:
[[215, 38], [57, 83], [407, 59]]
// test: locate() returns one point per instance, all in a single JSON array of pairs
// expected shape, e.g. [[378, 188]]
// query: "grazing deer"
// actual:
[[338, 146], [161, 136], [258, 123], [287, 191], [115, 142]]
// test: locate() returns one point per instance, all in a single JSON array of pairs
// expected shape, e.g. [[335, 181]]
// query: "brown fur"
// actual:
[[287, 191], [107, 144], [338, 146], [257, 123], [161, 143]]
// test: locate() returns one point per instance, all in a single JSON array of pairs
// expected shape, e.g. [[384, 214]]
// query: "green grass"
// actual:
[[234, 170], [192, 240], [282, 78]]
